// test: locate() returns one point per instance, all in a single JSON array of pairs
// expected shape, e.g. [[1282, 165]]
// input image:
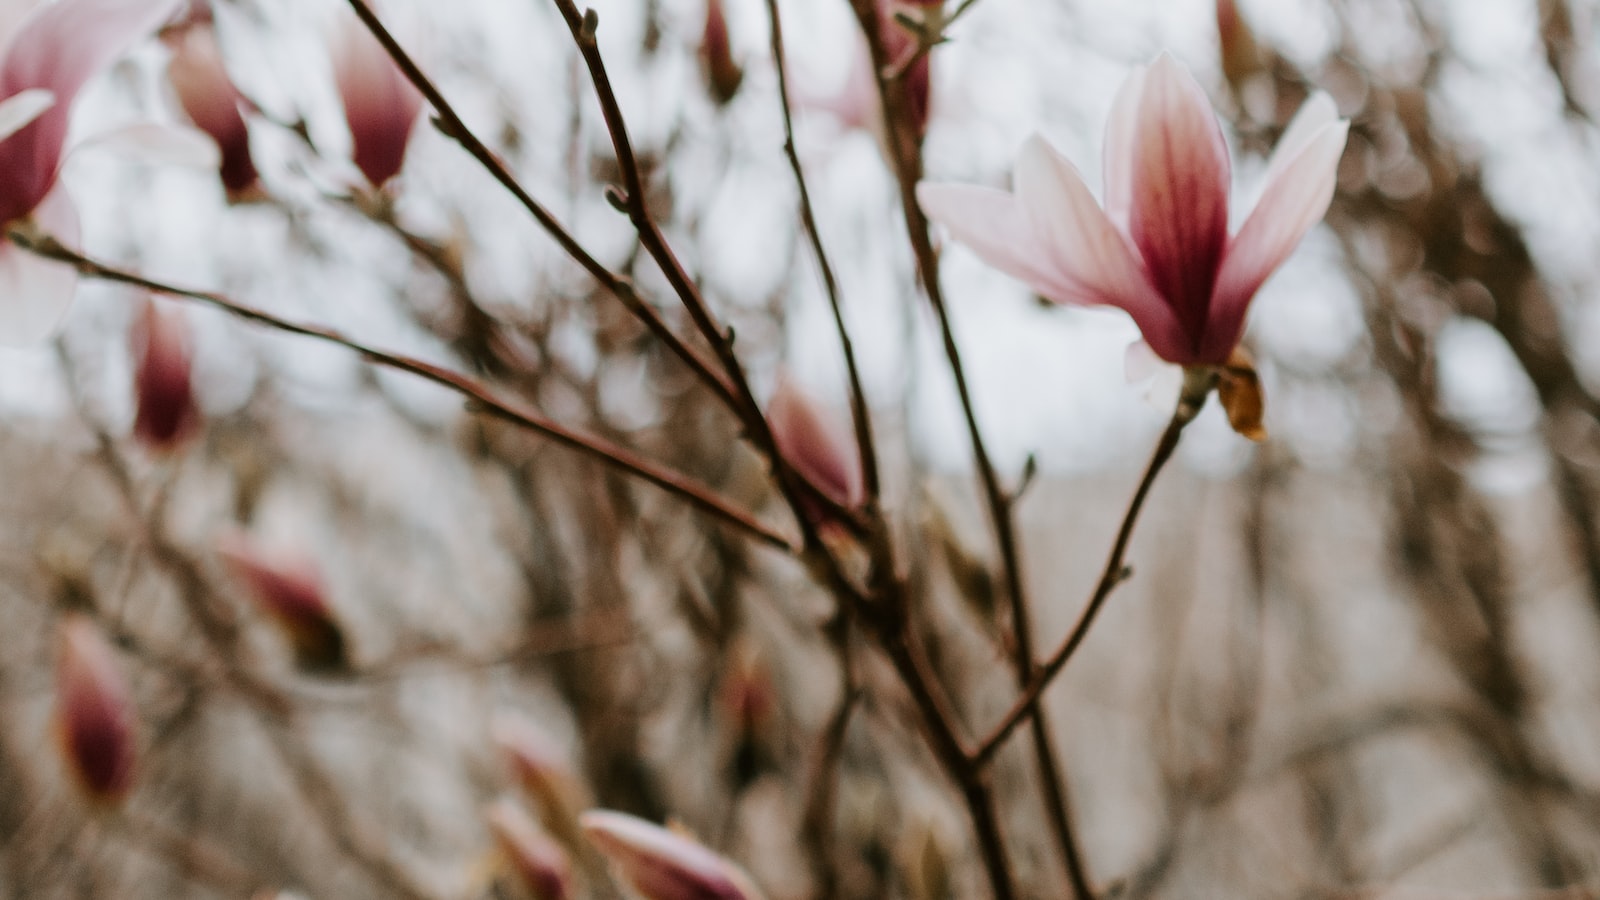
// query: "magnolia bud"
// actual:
[[292, 594], [538, 862], [165, 411], [541, 769], [380, 105], [1241, 55], [212, 102], [722, 74], [814, 444], [662, 864], [94, 712]]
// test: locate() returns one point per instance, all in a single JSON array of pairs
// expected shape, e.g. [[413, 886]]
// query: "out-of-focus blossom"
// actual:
[[1240, 54], [1160, 249], [538, 862], [857, 104], [815, 444], [380, 105], [52, 53], [291, 592], [211, 101], [663, 865], [723, 75], [543, 772], [165, 410], [94, 712]]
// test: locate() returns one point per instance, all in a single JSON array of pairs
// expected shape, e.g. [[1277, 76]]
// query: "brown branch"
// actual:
[[858, 395], [615, 455], [1113, 575], [451, 124]]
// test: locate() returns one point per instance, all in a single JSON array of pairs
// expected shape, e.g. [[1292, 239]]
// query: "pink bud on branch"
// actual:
[[816, 445], [661, 864], [94, 712], [165, 411], [723, 75], [212, 103], [380, 105], [1160, 249], [538, 862], [292, 593]]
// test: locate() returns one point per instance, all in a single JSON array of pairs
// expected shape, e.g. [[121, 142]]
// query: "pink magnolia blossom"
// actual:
[[857, 104], [163, 389], [534, 858], [52, 53], [1160, 249], [661, 864], [291, 591], [818, 446], [94, 711], [380, 105], [722, 72], [211, 101]]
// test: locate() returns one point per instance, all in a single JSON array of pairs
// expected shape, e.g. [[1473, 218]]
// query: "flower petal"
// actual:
[[1117, 161], [994, 224], [1085, 250], [1295, 200], [59, 48], [19, 109], [153, 143], [1317, 112], [35, 292], [1178, 216]]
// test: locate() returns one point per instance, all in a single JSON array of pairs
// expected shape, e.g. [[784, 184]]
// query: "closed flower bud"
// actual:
[[292, 594], [211, 101], [663, 865], [536, 861], [165, 413], [1241, 55], [542, 771], [380, 105], [94, 712], [722, 74], [815, 445]]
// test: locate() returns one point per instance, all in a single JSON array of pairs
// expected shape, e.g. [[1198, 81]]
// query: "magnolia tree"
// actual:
[[491, 451]]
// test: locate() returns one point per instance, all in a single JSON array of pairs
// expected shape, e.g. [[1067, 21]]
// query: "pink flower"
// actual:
[[857, 104], [380, 105], [211, 101], [94, 711], [292, 593], [816, 445], [49, 57], [722, 73], [661, 864], [1160, 249], [165, 411], [532, 855]]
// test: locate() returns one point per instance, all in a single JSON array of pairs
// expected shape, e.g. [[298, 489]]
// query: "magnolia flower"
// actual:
[[94, 711], [1160, 249], [380, 105], [857, 105], [48, 58], [816, 445], [292, 594], [661, 864], [722, 73], [211, 101], [165, 411], [536, 860]]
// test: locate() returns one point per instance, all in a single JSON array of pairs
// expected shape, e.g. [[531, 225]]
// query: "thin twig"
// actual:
[[1114, 574], [451, 124], [858, 396], [615, 455]]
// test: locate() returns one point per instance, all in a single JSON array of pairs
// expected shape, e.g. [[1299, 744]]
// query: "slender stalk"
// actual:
[[904, 145], [615, 455], [858, 395], [1112, 576], [451, 124]]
